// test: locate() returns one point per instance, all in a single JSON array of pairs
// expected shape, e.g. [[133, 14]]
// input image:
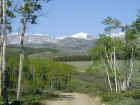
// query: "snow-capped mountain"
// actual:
[[80, 35], [79, 42], [76, 42], [42, 38], [30, 38]]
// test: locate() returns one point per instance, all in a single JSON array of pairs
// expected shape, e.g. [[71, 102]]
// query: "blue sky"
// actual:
[[66, 17]]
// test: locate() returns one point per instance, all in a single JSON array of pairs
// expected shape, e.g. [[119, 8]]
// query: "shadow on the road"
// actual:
[[65, 97]]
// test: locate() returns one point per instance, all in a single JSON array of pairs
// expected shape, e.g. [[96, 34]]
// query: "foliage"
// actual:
[[80, 66], [31, 10], [40, 76], [14, 51], [105, 50], [73, 58], [120, 99], [112, 24], [105, 45]]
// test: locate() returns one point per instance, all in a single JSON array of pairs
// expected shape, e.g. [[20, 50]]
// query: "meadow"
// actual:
[[94, 79], [81, 66], [45, 78]]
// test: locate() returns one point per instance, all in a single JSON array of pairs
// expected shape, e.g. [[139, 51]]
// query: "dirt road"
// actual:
[[74, 99]]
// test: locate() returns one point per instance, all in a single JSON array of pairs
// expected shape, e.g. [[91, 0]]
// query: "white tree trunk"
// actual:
[[0, 46], [123, 86], [4, 71], [131, 69], [109, 81], [115, 71], [21, 64], [110, 64]]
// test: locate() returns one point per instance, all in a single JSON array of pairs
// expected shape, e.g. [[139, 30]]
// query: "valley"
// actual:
[[69, 52]]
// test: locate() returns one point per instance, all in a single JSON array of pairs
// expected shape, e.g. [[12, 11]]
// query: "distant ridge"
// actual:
[[78, 42]]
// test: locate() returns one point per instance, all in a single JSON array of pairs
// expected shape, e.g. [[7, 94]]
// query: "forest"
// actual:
[[113, 74]]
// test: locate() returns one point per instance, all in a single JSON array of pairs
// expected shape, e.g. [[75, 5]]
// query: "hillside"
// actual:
[[79, 42], [48, 53], [15, 50]]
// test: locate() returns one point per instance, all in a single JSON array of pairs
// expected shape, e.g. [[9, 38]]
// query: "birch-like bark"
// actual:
[[109, 81], [115, 72], [109, 60], [21, 64], [4, 71], [131, 69], [0, 47], [110, 64], [123, 87], [119, 85]]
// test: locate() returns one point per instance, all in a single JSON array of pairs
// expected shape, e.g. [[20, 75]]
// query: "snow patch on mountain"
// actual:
[[60, 37], [81, 35]]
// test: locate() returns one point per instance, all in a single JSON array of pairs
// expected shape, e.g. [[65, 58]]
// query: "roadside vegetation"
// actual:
[[119, 58], [110, 71]]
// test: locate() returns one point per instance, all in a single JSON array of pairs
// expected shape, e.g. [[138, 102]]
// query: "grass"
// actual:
[[81, 66], [15, 51], [50, 54], [90, 78]]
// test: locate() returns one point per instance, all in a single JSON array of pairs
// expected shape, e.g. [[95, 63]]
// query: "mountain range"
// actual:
[[79, 42]]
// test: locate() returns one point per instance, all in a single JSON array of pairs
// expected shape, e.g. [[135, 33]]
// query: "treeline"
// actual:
[[73, 58], [108, 50], [14, 51], [39, 77], [25, 12], [119, 55], [118, 41]]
